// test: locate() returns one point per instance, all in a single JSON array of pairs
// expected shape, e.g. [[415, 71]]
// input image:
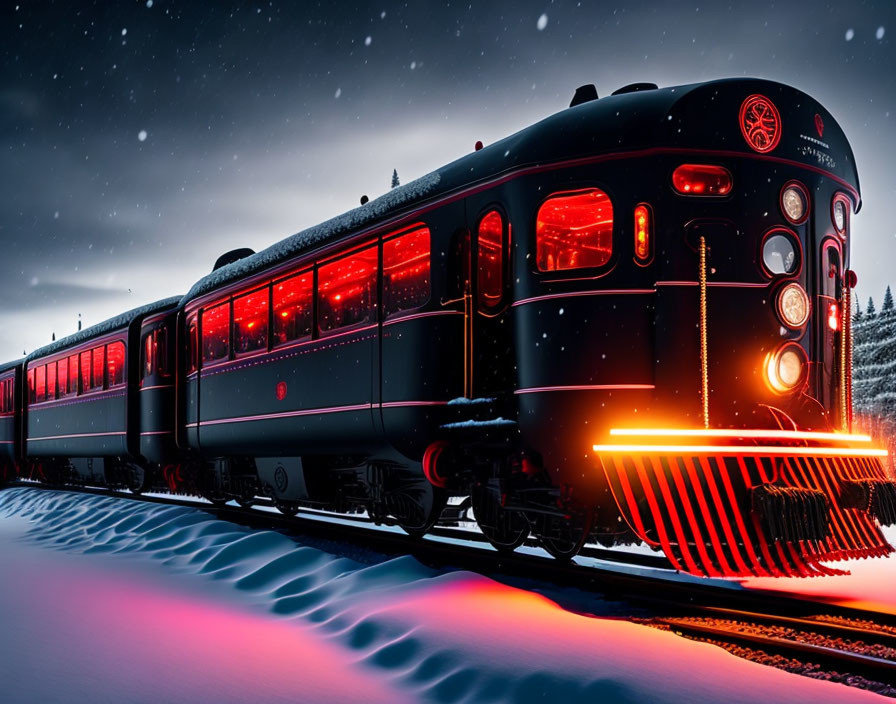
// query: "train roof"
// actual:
[[677, 117], [112, 324], [6, 366]]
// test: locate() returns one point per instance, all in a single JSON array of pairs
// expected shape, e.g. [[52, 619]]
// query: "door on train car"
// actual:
[[488, 339], [829, 319]]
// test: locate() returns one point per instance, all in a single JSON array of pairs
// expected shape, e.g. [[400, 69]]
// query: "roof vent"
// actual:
[[634, 88], [234, 255], [584, 94]]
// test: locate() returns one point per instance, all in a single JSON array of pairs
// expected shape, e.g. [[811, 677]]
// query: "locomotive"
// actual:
[[627, 322]]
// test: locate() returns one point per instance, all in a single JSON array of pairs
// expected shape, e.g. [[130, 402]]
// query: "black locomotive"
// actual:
[[627, 322]]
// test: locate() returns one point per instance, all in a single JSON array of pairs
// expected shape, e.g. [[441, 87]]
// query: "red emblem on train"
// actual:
[[760, 123], [281, 390], [819, 125]]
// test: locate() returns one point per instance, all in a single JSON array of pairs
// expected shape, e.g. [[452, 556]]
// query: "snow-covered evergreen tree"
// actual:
[[857, 315], [396, 182], [888, 301], [869, 311]]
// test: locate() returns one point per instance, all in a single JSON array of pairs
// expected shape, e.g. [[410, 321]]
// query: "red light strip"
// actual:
[[731, 433], [743, 449]]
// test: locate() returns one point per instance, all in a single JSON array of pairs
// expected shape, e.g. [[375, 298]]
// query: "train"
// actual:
[[628, 322]]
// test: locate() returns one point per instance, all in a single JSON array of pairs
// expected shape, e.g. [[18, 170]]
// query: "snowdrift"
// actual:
[[106, 599]]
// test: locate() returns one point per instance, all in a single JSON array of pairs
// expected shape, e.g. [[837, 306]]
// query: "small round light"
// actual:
[[793, 305], [790, 368], [794, 203], [786, 368], [779, 253], [840, 216]]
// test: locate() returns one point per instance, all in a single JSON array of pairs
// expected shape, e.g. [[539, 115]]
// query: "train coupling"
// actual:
[[875, 496], [791, 514]]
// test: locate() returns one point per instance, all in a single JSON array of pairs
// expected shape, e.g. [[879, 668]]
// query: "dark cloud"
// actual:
[[263, 119]]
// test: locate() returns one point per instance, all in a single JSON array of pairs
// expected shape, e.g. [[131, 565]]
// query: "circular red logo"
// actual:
[[760, 123], [281, 390]]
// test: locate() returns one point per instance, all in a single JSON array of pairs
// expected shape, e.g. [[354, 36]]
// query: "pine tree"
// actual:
[[869, 311], [395, 181], [857, 316], [888, 301]]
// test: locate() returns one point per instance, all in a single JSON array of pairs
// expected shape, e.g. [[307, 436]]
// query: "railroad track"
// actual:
[[851, 645]]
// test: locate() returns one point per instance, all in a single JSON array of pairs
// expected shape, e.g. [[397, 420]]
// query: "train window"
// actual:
[[98, 367], [250, 322], [346, 290], [40, 383], [490, 260], [149, 353], [161, 352], [215, 333], [73, 374], [5, 406], [780, 253], [115, 361], [192, 344], [31, 397], [62, 378], [51, 381], [830, 280], [574, 231], [293, 308], [86, 376], [406, 264]]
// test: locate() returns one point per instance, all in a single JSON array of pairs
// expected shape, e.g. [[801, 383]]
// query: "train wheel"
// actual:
[[562, 538], [505, 530], [417, 507]]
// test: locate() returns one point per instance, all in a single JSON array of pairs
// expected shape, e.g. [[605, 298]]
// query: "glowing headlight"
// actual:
[[785, 369], [794, 203], [793, 305]]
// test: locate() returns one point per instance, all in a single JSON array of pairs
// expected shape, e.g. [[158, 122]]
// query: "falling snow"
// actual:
[[368, 40], [338, 93], [542, 21], [880, 33], [141, 135], [850, 33]]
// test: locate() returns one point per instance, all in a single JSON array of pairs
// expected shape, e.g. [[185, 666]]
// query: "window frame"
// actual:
[[235, 354], [228, 355], [372, 307], [577, 273], [124, 365], [482, 305], [381, 286]]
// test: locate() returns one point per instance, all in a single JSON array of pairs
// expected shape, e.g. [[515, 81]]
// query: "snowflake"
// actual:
[[141, 135], [542, 21], [850, 33]]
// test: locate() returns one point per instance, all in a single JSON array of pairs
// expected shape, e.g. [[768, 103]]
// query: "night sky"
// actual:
[[140, 140]]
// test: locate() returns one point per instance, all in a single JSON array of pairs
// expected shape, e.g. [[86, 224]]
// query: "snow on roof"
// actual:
[[119, 321], [341, 224], [6, 366]]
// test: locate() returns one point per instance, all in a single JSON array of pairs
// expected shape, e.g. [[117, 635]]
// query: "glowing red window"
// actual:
[[250, 322], [574, 231], [149, 353], [115, 362], [98, 367], [490, 260], [161, 352], [215, 333], [51, 381], [346, 290], [31, 397], [62, 376], [406, 271], [40, 385], [73, 374], [293, 308], [86, 376], [192, 344]]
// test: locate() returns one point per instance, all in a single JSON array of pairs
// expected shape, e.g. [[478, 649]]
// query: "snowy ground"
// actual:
[[110, 600]]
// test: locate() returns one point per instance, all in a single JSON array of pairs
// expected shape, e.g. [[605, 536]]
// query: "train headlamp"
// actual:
[[795, 203], [786, 368], [793, 305]]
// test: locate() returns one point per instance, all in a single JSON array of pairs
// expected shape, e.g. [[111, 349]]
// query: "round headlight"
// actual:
[[786, 368], [839, 211], [794, 203], [793, 305], [780, 253]]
